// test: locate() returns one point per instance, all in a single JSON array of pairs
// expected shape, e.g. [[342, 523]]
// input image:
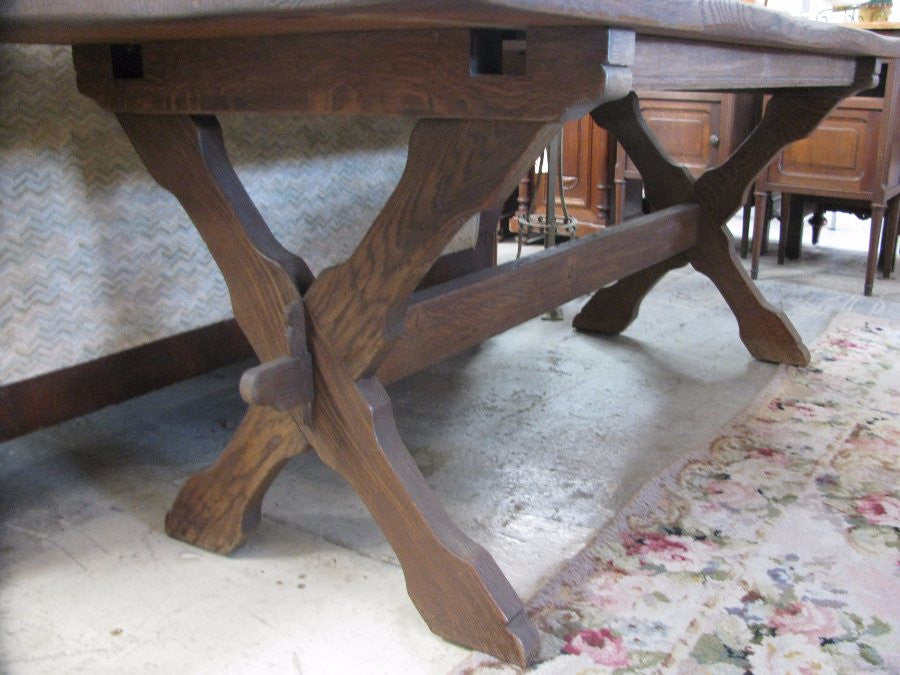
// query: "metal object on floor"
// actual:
[[549, 224]]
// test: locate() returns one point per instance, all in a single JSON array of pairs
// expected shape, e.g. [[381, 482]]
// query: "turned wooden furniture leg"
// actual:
[[218, 508], [793, 247], [874, 241], [818, 221], [745, 229], [355, 312], [760, 217], [889, 247], [789, 116], [785, 227]]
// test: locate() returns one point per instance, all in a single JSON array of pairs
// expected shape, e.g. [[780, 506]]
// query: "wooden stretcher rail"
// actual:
[[451, 317]]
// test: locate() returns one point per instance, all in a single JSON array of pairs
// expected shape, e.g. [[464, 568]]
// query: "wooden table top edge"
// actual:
[[729, 21]]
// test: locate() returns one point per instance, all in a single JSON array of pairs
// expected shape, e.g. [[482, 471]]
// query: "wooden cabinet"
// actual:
[[851, 162], [698, 130]]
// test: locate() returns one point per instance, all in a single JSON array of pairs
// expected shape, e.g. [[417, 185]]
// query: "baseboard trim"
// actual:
[[63, 394]]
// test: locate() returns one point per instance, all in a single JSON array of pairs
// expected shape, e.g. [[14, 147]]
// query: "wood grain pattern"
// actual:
[[72, 21], [662, 64], [447, 319], [186, 155], [286, 383], [218, 508], [454, 583], [765, 331], [381, 74], [424, 212]]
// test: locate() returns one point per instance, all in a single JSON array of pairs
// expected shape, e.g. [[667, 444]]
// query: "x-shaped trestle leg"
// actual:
[[354, 311], [765, 331]]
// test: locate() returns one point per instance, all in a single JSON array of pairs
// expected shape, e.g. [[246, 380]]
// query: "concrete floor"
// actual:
[[532, 441]]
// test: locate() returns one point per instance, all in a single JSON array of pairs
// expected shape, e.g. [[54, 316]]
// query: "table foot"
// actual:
[[453, 582], [765, 331], [612, 309], [219, 507]]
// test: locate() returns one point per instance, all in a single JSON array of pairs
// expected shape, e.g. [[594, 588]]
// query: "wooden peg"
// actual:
[[285, 383]]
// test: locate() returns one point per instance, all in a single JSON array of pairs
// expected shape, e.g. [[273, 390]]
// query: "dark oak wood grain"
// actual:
[[60, 395], [186, 155], [479, 126], [454, 583], [286, 383], [454, 316], [726, 21], [219, 507], [382, 74], [765, 331], [423, 214]]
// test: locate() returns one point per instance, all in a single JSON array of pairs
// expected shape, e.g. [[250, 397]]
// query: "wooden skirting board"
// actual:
[[63, 394]]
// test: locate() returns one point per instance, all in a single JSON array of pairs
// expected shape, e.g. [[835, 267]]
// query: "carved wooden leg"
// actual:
[[719, 192], [355, 311], [612, 309], [874, 241], [218, 508], [765, 331], [453, 582]]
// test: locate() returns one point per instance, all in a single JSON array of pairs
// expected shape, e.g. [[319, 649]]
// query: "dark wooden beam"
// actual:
[[448, 318], [367, 73], [664, 64], [63, 394]]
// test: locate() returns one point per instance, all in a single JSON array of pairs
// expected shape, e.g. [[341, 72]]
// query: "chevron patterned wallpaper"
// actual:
[[95, 258]]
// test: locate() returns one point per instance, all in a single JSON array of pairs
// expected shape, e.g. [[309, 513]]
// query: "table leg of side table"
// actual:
[[354, 313], [766, 332], [889, 247], [874, 241]]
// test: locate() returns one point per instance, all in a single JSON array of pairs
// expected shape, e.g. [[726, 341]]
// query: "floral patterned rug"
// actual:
[[774, 550]]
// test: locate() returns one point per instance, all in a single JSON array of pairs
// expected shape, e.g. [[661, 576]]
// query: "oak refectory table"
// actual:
[[489, 83]]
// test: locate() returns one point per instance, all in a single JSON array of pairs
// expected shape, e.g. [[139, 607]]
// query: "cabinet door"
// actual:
[[839, 157], [688, 130]]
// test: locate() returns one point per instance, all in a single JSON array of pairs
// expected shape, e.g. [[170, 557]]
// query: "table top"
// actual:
[[731, 21]]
